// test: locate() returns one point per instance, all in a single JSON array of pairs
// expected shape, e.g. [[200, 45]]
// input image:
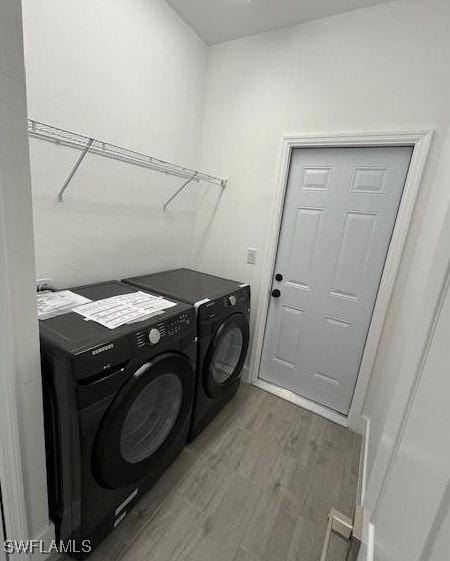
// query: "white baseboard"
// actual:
[[48, 533], [46, 536], [370, 543], [366, 552], [245, 374], [362, 477]]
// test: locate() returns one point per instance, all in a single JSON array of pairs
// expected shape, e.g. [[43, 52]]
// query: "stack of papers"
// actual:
[[126, 308], [51, 304]]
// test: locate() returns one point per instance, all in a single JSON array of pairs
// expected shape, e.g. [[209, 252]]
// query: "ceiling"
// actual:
[[217, 21]]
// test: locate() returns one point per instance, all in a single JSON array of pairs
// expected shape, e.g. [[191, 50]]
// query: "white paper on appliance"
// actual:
[[123, 309], [52, 304]]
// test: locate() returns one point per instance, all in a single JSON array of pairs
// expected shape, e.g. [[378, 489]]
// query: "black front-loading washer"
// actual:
[[223, 315], [117, 411]]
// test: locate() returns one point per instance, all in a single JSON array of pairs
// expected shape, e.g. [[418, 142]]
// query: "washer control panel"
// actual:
[[164, 329], [154, 335]]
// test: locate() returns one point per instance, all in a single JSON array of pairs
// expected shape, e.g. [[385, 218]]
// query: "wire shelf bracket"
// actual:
[[74, 170], [89, 145], [178, 191]]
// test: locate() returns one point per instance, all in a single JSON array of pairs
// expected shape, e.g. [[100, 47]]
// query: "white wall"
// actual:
[[416, 499], [130, 73], [400, 353], [381, 68], [20, 377], [393, 389], [410, 504]]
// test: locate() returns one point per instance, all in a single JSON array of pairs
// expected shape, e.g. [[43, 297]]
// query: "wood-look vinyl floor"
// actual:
[[256, 485]]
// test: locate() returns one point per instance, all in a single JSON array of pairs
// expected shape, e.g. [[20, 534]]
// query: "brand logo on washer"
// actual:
[[103, 349]]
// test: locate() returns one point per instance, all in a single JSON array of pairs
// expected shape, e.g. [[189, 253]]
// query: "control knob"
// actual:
[[232, 300], [154, 336]]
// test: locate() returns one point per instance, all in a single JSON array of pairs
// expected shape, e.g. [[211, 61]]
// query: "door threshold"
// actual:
[[296, 399]]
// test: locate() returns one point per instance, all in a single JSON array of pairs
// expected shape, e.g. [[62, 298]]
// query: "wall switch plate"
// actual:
[[251, 255], [44, 284]]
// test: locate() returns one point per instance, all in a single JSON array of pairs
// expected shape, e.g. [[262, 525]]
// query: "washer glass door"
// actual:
[[151, 417], [149, 414]]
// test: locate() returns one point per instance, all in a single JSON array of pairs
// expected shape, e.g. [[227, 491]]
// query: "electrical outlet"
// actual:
[[44, 284], [251, 255]]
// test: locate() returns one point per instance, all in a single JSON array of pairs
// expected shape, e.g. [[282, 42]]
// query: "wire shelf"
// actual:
[[93, 146]]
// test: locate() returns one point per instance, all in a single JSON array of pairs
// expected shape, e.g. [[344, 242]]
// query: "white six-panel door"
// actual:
[[339, 214]]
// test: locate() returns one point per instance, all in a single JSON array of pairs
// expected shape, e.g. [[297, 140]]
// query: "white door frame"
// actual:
[[420, 142]]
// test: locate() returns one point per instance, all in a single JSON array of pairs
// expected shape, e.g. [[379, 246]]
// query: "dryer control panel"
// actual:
[[238, 301]]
